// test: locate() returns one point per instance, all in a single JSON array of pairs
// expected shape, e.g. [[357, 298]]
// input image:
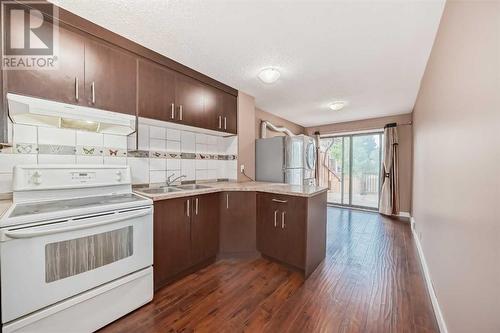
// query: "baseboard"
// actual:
[[428, 280], [404, 214]]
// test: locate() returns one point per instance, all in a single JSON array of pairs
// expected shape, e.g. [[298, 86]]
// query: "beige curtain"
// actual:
[[389, 194]]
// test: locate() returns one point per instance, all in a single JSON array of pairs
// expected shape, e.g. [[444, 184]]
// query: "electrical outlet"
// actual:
[[242, 168]]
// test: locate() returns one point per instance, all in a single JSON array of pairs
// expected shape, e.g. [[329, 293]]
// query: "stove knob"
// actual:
[[36, 178], [118, 176]]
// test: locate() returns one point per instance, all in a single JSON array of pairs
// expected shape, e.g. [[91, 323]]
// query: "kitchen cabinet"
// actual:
[[186, 233], [156, 91], [110, 78], [189, 95], [292, 229], [63, 84], [238, 223], [230, 103]]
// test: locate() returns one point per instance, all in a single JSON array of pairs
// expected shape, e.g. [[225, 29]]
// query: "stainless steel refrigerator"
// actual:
[[286, 159]]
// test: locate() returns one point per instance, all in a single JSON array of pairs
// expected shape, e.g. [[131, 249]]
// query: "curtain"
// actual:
[[389, 194]]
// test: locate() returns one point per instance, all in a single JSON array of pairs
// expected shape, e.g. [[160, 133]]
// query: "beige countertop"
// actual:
[[4, 205], [277, 188]]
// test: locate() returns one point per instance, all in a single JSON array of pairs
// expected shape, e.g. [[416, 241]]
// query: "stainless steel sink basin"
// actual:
[[160, 190], [192, 187]]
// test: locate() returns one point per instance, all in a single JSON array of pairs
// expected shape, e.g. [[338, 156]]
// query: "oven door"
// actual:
[[43, 264]]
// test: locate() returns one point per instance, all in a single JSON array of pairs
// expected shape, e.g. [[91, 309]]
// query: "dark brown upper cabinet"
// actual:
[[213, 104], [230, 113], [63, 84], [110, 78], [156, 92], [189, 102]]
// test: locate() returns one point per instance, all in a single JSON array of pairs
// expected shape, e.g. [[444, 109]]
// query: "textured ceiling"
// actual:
[[370, 53]]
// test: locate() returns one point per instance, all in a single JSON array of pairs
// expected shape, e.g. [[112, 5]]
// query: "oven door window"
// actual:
[[75, 256]]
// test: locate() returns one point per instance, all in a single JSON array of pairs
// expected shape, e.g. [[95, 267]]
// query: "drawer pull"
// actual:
[[283, 225], [275, 218], [280, 201], [187, 207], [172, 111]]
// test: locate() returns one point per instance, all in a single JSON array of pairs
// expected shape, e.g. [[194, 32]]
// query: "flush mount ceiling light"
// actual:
[[337, 105], [269, 75]]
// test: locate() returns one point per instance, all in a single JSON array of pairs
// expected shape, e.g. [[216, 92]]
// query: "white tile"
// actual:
[[201, 138], [201, 148], [89, 160], [212, 164], [212, 149], [201, 175], [115, 160], [212, 174], [157, 177], [188, 169], [9, 161], [56, 136], [24, 133], [5, 182], [212, 139], [201, 164], [88, 139], [56, 159], [173, 134], [231, 145], [173, 164], [157, 132], [221, 145], [143, 133], [115, 141], [221, 169], [139, 168], [173, 146], [188, 144], [232, 169], [157, 145], [157, 164]]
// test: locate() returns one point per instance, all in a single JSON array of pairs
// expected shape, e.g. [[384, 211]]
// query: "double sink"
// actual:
[[168, 189]]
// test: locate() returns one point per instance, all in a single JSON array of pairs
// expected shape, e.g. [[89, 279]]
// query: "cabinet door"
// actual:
[[293, 216], [237, 222], [205, 227], [156, 91], [110, 78], [270, 237], [230, 113], [63, 84], [172, 239], [189, 101], [214, 108]]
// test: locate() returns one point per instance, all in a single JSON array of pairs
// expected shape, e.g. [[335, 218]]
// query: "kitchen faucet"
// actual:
[[171, 181]]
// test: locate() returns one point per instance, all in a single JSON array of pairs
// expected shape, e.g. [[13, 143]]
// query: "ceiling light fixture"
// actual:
[[269, 75], [337, 105]]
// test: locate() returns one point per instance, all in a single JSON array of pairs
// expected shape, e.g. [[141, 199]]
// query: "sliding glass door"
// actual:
[[350, 168]]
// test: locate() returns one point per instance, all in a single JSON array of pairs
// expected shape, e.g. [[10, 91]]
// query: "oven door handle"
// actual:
[[31, 234]]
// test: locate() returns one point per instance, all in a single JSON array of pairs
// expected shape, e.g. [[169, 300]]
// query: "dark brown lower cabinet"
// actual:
[[237, 224], [186, 234], [292, 229]]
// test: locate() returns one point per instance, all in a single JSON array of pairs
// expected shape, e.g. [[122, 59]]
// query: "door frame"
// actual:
[[351, 135]]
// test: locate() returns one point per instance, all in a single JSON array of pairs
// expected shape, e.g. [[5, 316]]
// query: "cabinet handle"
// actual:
[[220, 122], [92, 91], [283, 225], [180, 112], [280, 201], [77, 95], [225, 123], [275, 218], [227, 201], [196, 206], [172, 111], [187, 207]]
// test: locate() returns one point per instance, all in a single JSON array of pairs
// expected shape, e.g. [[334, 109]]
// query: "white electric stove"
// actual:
[[76, 249]]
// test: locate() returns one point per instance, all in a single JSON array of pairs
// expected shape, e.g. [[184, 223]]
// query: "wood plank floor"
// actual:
[[370, 281]]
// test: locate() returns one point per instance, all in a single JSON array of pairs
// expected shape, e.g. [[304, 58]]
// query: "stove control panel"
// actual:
[[83, 177]]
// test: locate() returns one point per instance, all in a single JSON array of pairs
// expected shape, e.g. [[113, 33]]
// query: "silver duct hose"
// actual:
[[264, 124]]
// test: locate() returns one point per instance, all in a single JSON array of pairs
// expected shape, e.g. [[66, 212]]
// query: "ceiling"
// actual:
[[369, 53]]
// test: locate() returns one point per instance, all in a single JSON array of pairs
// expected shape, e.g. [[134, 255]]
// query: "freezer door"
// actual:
[[294, 176], [269, 158], [294, 152]]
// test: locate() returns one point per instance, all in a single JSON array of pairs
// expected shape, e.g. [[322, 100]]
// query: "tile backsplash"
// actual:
[[162, 152]]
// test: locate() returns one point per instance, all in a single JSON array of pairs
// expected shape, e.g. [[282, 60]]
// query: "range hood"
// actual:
[[40, 112]]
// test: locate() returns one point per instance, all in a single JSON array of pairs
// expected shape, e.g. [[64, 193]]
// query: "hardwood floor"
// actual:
[[370, 281]]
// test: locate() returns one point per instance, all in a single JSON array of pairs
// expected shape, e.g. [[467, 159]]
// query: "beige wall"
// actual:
[[405, 147], [456, 188], [246, 136], [278, 121]]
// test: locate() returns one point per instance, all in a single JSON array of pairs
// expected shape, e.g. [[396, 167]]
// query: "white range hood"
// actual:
[[40, 112]]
